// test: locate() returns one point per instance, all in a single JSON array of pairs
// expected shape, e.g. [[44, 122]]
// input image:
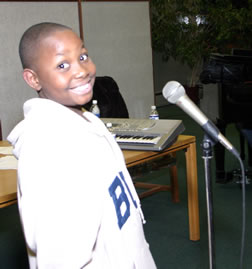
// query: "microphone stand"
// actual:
[[207, 148]]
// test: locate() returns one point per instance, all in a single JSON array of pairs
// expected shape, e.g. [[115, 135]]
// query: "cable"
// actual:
[[243, 182]]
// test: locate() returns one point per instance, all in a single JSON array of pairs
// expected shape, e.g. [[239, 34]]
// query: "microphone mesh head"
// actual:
[[172, 91]]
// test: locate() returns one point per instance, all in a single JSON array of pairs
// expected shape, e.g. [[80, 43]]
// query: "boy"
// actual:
[[77, 203]]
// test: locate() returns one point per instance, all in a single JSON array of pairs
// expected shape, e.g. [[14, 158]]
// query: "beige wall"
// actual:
[[117, 35], [15, 17], [119, 41]]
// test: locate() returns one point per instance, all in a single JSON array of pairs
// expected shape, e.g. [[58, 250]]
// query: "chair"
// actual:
[[245, 132], [112, 105], [110, 100], [151, 188]]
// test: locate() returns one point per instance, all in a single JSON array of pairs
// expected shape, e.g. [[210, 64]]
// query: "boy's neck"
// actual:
[[76, 109]]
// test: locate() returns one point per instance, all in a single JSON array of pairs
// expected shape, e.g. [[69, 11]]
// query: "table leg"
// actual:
[[174, 181], [192, 190]]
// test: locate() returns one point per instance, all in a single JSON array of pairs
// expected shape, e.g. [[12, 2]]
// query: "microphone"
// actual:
[[174, 93]]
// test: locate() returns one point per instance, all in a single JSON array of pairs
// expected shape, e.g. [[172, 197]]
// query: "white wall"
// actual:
[[117, 35]]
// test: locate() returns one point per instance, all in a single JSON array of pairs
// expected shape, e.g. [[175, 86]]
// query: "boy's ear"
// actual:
[[31, 79]]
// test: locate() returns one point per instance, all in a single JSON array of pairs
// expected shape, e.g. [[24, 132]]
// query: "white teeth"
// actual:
[[83, 89]]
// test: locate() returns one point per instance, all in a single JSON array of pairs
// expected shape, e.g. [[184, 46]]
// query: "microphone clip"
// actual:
[[207, 146]]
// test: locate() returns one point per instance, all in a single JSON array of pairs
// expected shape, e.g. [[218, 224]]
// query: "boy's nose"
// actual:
[[80, 74], [81, 71]]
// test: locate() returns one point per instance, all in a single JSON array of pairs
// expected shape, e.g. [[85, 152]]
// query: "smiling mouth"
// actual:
[[82, 89]]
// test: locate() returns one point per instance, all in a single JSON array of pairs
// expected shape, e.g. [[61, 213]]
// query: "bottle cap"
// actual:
[[109, 124], [153, 107], [94, 102]]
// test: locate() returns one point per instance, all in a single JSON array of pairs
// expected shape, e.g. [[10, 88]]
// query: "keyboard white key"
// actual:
[[137, 139]]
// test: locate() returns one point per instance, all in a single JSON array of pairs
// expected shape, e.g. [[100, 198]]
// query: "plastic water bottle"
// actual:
[[95, 109], [154, 114]]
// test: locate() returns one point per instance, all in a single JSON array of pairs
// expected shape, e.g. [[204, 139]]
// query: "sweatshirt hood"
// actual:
[[32, 116], [35, 117], [16, 138]]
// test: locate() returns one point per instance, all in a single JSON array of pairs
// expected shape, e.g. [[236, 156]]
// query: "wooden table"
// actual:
[[8, 183], [8, 189], [187, 143]]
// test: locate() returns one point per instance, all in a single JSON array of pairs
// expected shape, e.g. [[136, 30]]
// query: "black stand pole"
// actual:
[[207, 147]]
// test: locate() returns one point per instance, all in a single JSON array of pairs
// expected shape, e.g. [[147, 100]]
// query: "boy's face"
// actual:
[[63, 72]]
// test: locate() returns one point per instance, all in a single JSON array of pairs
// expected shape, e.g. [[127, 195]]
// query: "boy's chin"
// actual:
[[82, 100], [88, 98]]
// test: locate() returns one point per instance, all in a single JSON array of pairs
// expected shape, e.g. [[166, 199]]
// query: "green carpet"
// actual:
[[12, 245]]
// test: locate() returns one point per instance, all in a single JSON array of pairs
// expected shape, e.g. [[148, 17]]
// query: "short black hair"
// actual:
[[30, 40]]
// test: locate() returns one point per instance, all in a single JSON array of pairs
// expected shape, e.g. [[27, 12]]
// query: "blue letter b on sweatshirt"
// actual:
[[121, 201]]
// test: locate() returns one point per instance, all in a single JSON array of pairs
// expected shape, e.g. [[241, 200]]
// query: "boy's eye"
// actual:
[[63, 66], [84, 57]]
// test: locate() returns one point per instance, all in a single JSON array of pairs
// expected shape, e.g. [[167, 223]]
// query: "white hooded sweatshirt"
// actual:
[[78, 206]]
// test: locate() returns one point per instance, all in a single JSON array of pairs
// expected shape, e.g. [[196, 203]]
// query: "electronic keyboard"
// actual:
[[144, 134]]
